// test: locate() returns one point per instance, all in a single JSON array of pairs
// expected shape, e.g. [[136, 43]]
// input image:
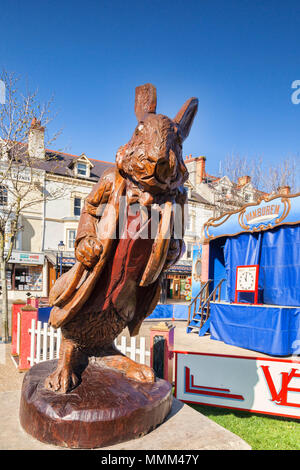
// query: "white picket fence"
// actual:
[[45, 343], [132, 350]]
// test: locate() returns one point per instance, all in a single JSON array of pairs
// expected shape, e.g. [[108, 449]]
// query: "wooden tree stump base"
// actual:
[[105, 409]]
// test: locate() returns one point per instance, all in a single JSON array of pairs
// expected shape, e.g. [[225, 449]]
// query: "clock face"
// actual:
[[246, 278]]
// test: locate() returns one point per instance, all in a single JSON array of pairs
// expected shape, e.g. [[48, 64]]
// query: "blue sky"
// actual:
[[238, 57]]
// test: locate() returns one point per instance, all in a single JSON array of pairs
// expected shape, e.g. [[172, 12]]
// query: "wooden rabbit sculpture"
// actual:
[[116, 280]]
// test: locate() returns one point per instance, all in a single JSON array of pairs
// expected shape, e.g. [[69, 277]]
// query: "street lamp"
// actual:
[[60, 247]]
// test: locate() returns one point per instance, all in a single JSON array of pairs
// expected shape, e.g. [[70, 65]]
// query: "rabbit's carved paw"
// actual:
[[132, 370], [62, 380], [141, 373]]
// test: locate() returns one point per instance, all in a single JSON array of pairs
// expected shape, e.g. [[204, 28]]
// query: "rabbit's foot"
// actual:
[[141, 373], [132, 370], [62, 380]]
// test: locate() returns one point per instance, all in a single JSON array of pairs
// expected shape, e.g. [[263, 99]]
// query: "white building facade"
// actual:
[[45, 244]]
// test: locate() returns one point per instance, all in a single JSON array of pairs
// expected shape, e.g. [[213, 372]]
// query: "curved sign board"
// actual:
[[269, 213]]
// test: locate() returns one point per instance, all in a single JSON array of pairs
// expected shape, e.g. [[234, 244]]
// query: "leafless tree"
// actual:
[[21, 175], [265, 177]]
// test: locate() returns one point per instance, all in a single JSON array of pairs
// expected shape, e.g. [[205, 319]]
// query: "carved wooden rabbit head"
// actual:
[[153, 156]]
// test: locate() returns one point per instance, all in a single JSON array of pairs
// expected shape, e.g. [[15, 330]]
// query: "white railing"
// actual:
[[45, 343], [132, 351]]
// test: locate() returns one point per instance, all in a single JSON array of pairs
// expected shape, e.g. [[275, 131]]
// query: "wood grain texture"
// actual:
[[106, 408]]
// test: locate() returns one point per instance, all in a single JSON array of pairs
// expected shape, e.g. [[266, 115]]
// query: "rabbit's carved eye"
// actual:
[[139, 128]]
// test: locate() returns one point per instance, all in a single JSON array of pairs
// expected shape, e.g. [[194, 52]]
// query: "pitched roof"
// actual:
[[197, 197], [61, 163]]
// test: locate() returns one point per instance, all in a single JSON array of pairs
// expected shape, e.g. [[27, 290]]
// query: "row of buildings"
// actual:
[[44, 248]]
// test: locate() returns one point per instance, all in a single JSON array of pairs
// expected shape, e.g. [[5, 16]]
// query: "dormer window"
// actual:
[[81, 166], [82, 169]]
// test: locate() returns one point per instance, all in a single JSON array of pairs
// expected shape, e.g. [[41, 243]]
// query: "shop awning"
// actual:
[[184, 267], [65, 260], [51, 257]]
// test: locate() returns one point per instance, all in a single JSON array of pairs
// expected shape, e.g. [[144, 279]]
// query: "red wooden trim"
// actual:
[[255, 290], [236, 291], [211, 388], [237, 357], [221, 393], [256, 285], [175, 391]]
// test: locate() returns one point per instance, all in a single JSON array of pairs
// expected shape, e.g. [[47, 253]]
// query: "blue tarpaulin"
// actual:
[[164, 311], [170, 311], [161, 311], [44, 314], [268, 329], [277, 252]]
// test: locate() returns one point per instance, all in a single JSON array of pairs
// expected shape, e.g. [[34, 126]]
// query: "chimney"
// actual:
[[244, 180], [200, 169], [284, 189], [36, 143]]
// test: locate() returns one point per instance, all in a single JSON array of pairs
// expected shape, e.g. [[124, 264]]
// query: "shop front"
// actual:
[[177, 283], [25, 274]]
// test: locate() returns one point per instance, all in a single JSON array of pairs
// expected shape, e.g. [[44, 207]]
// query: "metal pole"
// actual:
[[60, 272]]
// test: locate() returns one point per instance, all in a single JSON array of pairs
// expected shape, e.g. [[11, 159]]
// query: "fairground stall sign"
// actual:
[[269, 213], [259, 385]]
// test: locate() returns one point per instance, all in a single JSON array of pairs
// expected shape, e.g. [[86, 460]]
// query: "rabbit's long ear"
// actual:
[[145, 100], [185, 116]]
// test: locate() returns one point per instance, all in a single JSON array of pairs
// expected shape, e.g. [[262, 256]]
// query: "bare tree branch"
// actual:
[[22, 175]]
